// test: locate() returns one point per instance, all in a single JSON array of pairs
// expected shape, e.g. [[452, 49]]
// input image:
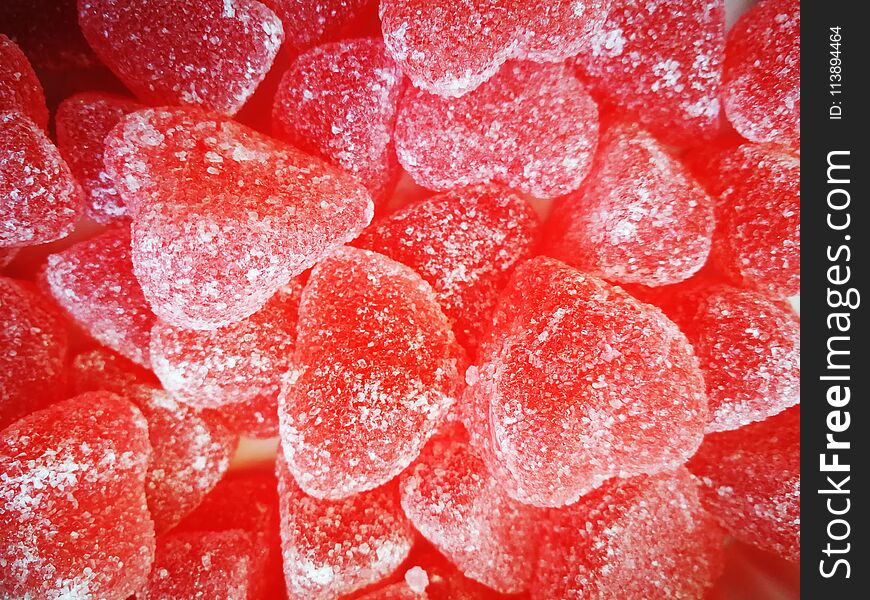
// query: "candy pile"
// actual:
[[506, 285]]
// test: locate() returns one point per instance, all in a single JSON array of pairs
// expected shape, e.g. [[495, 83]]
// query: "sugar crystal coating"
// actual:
[[207, 564], [334, 547], [762, 73], [48, 33], [339, 101], [310, 22], [191, 448], [578, 382], [73, 518], [223, 216], [93, 281], [238, 363], [748, 345], [210, 53], [758, 227], [33, 339], [20, 89], [464, 243], [750, 479], [531, 127], [374, 374], [83, 121], [452, 499], [645, 537], [246, 500], [450, 47], [638, 218], [661, 62], [39, 199]]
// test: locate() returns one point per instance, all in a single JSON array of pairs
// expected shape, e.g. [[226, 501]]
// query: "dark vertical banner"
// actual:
[[835, 425]]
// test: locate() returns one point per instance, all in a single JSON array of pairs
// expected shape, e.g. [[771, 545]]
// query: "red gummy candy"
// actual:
[[39, 199], [20, 89], [238, 363], [531, 127], [750, 479], [83, 121], [578, 382], [433, 577], [34, 342], [334, 547], [758, 231], [247, 501], [762, 73], [453, 500], [102, 369], [93, 281], [374, 374], [223, 216], [450, 47], [661, 61], [645, 537], [209, 53], [748, 346], [638, 218], [48, 33], [310, 22], [7, 255], [215, 564], [339, 101], [464, 243], [73, 518], [191, 448]]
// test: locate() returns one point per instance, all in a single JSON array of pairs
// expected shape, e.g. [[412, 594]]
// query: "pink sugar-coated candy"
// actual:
[[450, 47], [20, 89], [238, 363], [644, 537], [73, 517], [48, 33], [661, 62], [464, 243], [191, 448], [311, 22], [210, 53], [39, 199], [750, 479], [248, 501], [452, 499], [204, 564], [639, 217], [93, 281], [82, 122], [339, 101], [531, 127], [334, 547], [758, 227], [223, 216], [374, 374], [762, 73], [578, 382], [256, 418], [34, 341], [748, 345]]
